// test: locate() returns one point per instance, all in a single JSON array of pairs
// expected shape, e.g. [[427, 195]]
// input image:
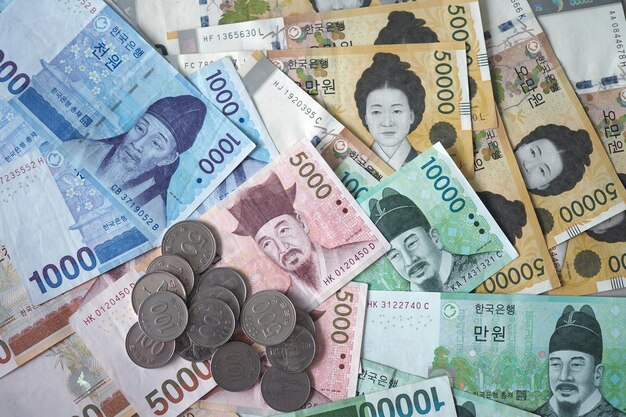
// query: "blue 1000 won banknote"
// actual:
[[220, 83], [108, 144]]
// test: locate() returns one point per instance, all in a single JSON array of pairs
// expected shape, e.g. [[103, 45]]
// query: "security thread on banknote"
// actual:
[[413, 22], [571, 181], [499, 184], [595, 261], [398, 99]]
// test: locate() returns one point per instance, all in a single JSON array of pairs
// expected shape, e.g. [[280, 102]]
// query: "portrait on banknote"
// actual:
[[510, 215], [266, 213], [553, 158], [404, 27], [332, 5], [576, 368], [417, 251], [390, 100], [142, 160]]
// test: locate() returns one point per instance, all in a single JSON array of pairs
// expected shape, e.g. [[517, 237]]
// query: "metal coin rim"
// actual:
[[202, 359], [309, 321], [206, 274], [247, 304], [232, 331], [236, 312], [278, 365], [188, 288], [132, 299], [291, 374], [257, 366], [213, 252], [185, 310], [158, 365]]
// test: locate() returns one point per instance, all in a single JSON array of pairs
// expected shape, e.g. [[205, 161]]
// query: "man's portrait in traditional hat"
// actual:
[[417, 251], [266, 213], [142, 161], [467, 409], [575, 368]]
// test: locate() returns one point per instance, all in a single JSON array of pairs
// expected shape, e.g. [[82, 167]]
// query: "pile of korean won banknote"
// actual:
[[334, 208]]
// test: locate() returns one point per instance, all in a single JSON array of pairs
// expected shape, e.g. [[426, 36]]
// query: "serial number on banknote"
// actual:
[[109, 304], [87, 5], [300, 104], [141, 213], [476, 270], [237, 34], [21, 170], [352, 261], [399, 305]]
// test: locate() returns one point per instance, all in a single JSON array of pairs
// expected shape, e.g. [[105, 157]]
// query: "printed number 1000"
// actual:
[[70, 269]]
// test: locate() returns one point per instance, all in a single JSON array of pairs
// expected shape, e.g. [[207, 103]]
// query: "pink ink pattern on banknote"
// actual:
[[295, 229]]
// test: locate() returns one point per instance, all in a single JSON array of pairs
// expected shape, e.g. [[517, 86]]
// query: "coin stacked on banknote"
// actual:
[[177, 312], [187, 308], [270, 319]]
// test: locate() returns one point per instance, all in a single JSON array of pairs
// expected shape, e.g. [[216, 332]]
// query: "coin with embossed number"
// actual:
[[156, 281], [163, 316], [220, 293], [176, 266], [211, 323], [236, 366], [268, 317], [304, 319], [192, 352], [145, 352], [283, 391], [295, 354], [227, 278], [192, 241]]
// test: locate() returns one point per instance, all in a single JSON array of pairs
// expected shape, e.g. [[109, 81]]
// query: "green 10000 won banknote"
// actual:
[[552, 356], [442, 236], [375, 377], [431, 397]]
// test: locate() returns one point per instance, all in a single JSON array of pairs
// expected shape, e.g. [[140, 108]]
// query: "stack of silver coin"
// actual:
[[185, 307], [178, 312], [270, 319]]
